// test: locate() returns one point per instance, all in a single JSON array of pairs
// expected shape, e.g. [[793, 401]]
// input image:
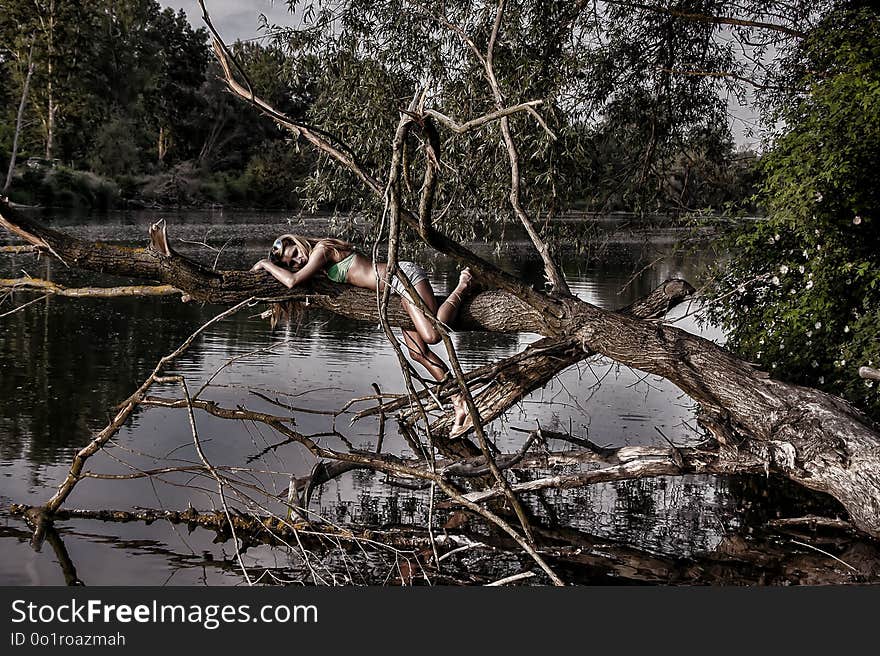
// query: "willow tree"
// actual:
[[421, 106]]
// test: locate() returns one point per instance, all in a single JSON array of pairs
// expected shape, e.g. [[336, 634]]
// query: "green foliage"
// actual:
[[115, 152], [274, 174], [631, 134], [804, 284], [64, 187]]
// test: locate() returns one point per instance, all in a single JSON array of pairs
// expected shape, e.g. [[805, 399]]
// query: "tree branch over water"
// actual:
[[756, 423]]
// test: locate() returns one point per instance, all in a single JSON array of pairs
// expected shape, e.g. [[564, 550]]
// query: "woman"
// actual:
[[294, 259]]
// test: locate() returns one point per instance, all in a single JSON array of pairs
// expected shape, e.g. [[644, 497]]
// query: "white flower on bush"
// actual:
[[775, 281], [801, 268], [818, 325], [809, 284], [783, 269], [846, 329]]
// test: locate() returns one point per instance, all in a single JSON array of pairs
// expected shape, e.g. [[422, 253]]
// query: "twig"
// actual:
[[511, 579], [821, 551], [214, 474], [24, 305]]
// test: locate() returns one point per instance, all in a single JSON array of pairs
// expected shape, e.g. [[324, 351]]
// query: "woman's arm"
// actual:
[[288, 278]]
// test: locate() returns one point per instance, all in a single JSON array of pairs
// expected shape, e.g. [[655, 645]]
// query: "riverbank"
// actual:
[[183, 187]]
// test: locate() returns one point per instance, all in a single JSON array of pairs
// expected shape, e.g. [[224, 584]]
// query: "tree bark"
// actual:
[[19, 118], [51, 104]]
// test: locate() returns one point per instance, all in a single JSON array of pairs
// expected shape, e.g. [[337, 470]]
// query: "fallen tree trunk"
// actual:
[[506, 382], [493, 310], [813, 438]]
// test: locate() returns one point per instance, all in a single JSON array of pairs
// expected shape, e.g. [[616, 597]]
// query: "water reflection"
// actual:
[[66, 363]]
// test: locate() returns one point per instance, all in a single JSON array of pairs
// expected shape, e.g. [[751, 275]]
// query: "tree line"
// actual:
[[127, 91], [120, 99]]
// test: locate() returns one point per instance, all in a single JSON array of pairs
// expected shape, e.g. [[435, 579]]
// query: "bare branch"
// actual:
[[869, 373], [467, 126], [127, 407], [49, 287], [718, 74]]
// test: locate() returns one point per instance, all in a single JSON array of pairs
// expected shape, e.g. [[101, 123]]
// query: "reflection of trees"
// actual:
[[68, 362], [72, 361], [757, 502], [760, 557]]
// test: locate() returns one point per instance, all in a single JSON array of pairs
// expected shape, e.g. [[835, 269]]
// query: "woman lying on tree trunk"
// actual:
[[294, 259]]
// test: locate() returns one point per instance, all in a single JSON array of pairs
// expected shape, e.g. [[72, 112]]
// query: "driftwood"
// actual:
[[783, 553], [811, 437], [49, 287]]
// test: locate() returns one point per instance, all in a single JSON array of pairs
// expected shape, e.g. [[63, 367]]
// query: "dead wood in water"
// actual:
[[756, 423], [773, 557], [809, 436], [49, 287]]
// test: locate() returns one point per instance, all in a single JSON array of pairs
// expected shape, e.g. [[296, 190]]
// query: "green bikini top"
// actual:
[[339, 271]]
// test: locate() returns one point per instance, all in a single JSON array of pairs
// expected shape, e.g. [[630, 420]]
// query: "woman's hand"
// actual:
[[261, 265]]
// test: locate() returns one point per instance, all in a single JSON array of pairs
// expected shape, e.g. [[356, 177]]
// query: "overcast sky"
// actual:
[[234, 19]]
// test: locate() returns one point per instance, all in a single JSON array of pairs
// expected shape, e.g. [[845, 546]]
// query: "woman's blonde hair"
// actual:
[[307, 244], [289, 311]]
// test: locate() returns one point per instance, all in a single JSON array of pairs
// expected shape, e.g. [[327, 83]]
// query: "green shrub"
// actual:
[[802, 290]]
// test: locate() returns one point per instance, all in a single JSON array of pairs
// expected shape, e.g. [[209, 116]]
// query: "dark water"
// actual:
[[65, 363]]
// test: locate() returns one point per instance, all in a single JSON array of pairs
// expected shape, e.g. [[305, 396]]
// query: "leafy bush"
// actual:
[[803, 285]]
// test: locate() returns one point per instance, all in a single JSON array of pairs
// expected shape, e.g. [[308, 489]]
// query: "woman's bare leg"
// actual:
[[417, 341], [422, 353], [446, 313], [449, 308]]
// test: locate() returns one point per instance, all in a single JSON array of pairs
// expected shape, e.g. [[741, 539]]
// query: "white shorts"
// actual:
[[411, 270]]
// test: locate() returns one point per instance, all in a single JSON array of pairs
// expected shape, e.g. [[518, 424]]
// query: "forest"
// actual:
[[124, 108], [446, 124]]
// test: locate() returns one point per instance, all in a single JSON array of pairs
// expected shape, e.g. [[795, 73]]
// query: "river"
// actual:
[[67, 362]]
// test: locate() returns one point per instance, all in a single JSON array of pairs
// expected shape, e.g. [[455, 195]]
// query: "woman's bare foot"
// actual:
[[462, 421], [464, 280]]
